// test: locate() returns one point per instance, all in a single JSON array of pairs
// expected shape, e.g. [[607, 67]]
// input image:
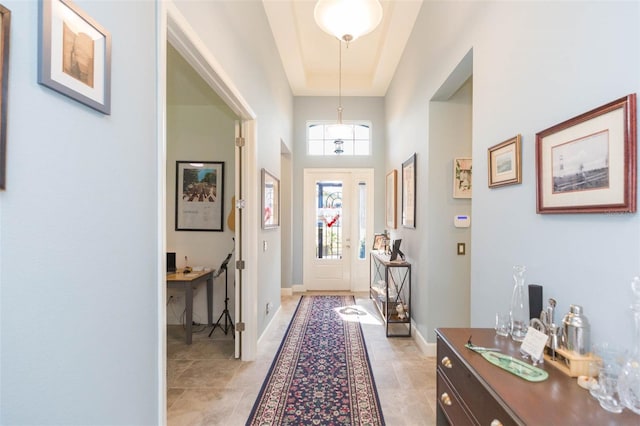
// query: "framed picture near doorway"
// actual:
[[409, 192], [199, 195], [391, 199], [462, 177], [270, 200]]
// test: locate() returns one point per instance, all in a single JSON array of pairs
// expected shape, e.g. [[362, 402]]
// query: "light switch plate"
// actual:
[[461, 248]]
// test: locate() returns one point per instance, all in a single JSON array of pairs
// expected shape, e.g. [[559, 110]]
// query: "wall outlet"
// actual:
[[269, 307]]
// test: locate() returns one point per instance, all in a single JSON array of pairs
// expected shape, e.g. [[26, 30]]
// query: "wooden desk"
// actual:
[[477, 392], [187, 282]]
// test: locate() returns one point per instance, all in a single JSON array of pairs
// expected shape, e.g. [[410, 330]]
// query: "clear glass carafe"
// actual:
[[629, 379], [519, 312]]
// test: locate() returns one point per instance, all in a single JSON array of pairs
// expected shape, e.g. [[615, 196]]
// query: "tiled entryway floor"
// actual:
[[207, 386]]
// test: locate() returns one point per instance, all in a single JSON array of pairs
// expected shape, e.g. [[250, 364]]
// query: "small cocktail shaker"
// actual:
[[575, 331]]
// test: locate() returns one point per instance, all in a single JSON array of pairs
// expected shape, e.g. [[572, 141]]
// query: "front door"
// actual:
[[337, 222]]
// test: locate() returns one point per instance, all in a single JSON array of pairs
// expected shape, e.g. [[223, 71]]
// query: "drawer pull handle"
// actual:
[[445, 399], [446, 362], [496, 422]]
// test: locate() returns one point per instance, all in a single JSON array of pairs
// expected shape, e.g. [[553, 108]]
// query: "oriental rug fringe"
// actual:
[[321, 374]]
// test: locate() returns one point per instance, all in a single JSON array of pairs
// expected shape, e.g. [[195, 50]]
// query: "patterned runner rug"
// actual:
[[321, 374]]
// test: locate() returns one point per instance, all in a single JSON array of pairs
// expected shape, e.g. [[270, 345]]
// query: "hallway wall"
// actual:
[[79, 219], [535, 64], [251, 61]]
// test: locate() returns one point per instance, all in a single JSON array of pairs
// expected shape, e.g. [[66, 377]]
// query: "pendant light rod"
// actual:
[[339, 81]]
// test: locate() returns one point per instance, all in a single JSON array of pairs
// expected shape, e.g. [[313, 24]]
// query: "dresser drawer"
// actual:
[[449, 404], [483, 407]]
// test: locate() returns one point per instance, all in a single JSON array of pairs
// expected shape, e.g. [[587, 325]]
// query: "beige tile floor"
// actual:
[[206, 386]]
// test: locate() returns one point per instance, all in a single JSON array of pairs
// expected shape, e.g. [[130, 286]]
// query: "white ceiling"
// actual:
[[310, 56]]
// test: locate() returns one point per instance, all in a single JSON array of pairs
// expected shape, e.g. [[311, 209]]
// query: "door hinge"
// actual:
[[240, 204], [239, 264], [239, 327], [240, 141]]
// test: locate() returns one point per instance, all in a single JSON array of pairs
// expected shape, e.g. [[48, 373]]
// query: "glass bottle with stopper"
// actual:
[[519, 312]]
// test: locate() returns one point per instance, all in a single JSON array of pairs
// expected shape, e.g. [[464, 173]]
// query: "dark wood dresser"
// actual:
[[472, 391]]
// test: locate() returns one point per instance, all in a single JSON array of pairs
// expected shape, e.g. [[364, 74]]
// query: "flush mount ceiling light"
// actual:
[[348, 19]]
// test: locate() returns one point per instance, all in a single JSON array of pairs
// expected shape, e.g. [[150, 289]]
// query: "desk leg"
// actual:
[[189, 311], [210, 300]]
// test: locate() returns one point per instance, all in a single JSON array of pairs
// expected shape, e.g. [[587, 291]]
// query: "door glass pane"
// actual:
[[362, 220], [329, 220]]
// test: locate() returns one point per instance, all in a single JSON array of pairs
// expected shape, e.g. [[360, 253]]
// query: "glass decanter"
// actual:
[[629, 379], [519, 312]]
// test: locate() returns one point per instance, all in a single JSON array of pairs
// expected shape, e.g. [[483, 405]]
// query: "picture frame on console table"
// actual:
[[74, 53], [199, 195], [379, 242], [505, 163], [587, 164]]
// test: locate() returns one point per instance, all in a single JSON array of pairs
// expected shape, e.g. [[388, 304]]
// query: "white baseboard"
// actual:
[[429, 349], [298, 288], [268, 327]]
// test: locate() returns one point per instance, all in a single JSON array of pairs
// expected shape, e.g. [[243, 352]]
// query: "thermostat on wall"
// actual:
[[461, 221]]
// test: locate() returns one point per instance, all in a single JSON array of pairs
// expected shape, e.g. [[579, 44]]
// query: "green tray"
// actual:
[[515, 366]]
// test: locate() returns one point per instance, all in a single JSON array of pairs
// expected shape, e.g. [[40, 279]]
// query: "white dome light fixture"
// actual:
[[348, 19]]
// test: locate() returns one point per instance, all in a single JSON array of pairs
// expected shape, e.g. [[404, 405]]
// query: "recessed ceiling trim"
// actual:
[[308, 54]]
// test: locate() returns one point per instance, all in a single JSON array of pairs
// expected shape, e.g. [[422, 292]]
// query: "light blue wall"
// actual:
[[450, 125], [78, 235], [535, 64], [324, 108], [237, 35]]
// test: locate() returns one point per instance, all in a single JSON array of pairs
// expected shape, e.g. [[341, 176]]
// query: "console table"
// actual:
[[472, 391], [390, 288]]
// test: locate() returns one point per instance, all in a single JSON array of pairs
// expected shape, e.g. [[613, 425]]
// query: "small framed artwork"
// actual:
[[587, 164], [409, 192], [5, 27], [505, 164], [391, 199], [379, 242], [75, 54], [462, 177], [270, 200], [199, 195]]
